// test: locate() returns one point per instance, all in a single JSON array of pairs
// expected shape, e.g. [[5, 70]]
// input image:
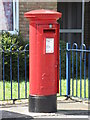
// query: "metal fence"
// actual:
[[74, 66], [25, 51], [77, 71]]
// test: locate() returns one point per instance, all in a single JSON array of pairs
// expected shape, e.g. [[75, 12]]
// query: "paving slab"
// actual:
[[65, 109]]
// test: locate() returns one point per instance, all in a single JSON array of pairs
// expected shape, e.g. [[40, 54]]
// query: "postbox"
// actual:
[[43, 60]]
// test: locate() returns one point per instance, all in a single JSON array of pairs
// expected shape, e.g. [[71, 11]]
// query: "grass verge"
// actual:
[[22, 89]]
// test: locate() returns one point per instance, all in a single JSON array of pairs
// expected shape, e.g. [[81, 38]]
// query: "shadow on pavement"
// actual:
[[7, 115], [73, 112]]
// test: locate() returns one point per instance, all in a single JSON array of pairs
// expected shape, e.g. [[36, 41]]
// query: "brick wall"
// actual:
[[27, 6]]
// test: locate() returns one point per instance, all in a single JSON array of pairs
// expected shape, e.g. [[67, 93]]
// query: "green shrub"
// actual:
[[63, 61], [7, 41]]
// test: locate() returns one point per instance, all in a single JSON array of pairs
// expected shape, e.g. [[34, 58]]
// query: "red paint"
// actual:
[[43, 67]]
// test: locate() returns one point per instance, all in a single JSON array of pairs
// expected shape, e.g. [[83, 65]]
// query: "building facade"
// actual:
[[74, 24]]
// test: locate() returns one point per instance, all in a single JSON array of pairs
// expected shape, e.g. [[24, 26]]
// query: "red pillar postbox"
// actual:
[[43, 60]]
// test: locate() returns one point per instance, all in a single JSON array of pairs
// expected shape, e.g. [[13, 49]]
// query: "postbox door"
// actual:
[[48, 59]]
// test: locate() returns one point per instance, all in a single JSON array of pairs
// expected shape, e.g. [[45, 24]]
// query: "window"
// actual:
[[72, 21], [10, 16]]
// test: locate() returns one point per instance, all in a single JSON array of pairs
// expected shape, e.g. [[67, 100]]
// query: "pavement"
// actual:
[[66, 109]]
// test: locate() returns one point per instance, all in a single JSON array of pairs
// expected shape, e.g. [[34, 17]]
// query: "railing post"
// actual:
[[67, 70], [26, 71], [11, 69], [3, 77], [18, 74], [60, 75], [89, 74], [25, 76]]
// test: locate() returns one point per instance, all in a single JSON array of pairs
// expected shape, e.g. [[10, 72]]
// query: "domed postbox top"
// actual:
[[43, 14]]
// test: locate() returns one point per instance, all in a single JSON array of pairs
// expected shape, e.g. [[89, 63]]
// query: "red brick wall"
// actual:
[[27, 6]]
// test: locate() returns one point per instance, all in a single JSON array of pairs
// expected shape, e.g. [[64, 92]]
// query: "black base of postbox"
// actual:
[[43, 104]]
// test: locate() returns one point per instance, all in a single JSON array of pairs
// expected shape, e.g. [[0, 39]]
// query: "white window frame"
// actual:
[[15, 17]]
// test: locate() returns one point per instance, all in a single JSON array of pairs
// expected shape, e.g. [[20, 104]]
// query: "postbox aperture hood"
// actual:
[[43, 14]]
